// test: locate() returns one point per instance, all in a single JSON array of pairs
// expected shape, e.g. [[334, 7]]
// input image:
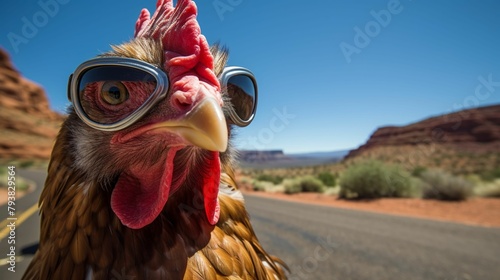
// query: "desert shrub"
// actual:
[[327, 178], [374, 179], [491, 175], [333, 191], [270, 178], [443, 186], [474, 179], [303, 184], [491, 189], [492, 193], [26, 164], [311, 184], [418, 170], [292, 186], [262, 186], [484, 188]]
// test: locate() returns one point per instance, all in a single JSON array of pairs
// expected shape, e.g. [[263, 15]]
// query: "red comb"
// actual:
[[186, 49]]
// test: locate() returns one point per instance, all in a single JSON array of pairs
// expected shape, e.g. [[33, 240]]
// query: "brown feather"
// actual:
[[220, 260]]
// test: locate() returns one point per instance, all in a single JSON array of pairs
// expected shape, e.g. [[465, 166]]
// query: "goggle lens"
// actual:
[[242, 91], [110, 93]]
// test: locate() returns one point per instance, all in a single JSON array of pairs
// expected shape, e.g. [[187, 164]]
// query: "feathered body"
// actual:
[[82, 237]]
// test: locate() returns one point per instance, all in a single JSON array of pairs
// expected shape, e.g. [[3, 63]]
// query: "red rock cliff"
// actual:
[[27, 124]]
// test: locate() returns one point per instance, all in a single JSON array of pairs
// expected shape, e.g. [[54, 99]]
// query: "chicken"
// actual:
[[140, 184]]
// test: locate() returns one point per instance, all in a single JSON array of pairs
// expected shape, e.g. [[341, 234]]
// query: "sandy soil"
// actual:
[[475, 211]]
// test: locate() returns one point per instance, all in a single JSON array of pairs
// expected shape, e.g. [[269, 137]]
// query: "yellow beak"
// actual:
[[204, 126]]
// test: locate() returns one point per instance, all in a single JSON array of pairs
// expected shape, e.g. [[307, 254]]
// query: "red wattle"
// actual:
[[211, 182], [141, 192]]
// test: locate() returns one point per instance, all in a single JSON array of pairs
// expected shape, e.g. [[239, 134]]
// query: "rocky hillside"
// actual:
[[28, 126], [461, 142]]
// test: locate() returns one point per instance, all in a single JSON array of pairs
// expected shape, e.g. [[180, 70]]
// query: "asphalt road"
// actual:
[[328, 243], [321, 242]]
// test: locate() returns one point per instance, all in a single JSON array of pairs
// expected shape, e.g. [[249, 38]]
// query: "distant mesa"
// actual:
[[278, 159], [28, 126], [257, 156]]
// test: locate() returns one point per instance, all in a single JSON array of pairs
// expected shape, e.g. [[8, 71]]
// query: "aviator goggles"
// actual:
[[102, 83]]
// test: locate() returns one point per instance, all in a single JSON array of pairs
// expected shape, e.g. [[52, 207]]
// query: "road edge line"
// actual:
[[24, 216]]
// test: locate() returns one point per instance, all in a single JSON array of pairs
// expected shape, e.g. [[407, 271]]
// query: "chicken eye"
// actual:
[[114, 92]]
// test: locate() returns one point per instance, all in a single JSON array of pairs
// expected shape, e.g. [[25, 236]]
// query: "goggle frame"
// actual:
[[159, 93]]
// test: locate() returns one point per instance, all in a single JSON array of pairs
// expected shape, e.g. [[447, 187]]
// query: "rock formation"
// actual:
[[28, 126], [462, 142]]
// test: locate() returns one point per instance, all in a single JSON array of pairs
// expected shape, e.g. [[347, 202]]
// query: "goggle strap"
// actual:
[[69, 87]]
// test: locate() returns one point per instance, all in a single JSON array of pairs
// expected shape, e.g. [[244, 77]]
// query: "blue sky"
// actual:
[[329, 72]]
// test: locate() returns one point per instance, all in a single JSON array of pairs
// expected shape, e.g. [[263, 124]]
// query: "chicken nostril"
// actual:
[[182, 104], [182, 100]]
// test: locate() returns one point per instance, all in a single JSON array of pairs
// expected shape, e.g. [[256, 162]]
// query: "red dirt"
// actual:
[[475, 211]]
